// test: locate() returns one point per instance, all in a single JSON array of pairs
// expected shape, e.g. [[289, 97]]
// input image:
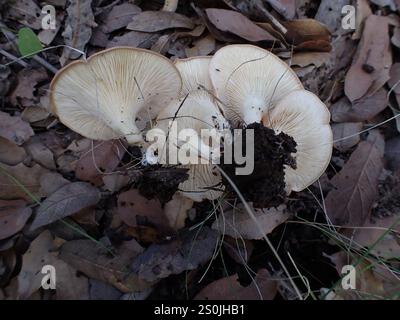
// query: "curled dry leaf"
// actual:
[[262, 288], [308, 35], [96, 262], [28, 177], [67, 200], [153, 21], [187, 252], [78, 28], [236, 23], [119, 17], [356, 185], [13, 216], [345, 135], [362, 110], [237, 223], [100, 159], [14, 128], [371, 65]]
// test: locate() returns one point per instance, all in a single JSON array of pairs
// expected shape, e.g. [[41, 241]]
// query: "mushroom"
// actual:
[[250, 81], [114, 93], [256, 86], [170, 5], [195, 109]]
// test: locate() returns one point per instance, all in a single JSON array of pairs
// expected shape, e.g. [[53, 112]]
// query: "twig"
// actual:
[[13, 58], [258, 4]]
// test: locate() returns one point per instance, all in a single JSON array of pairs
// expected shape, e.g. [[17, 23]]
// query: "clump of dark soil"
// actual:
[[265, 187], [161, 183]]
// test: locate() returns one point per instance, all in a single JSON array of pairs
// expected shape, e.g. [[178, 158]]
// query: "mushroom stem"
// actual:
[[170, 5]]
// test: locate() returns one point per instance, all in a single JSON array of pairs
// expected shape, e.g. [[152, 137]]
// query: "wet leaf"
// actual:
[[262, 288], [13, 216], [153, 21], [356, 185], [67, 200]]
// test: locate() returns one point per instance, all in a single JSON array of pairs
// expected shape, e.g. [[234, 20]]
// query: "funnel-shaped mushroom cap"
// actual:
[[249, 81], [113, 92], [194, 72], [197, 111], [305, 118]]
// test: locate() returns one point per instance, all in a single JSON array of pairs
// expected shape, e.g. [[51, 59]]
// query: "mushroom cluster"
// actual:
[[122, 92]]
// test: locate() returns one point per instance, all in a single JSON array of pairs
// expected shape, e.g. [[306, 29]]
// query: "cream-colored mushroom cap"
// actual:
[[114, 93], [194, 72], [196, 111], [304, 117], [250, 81]]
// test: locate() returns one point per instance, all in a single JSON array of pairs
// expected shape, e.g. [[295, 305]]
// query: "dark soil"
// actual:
[[265, 187]]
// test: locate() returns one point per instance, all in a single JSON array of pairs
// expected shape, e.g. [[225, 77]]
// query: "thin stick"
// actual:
[[13, 58]]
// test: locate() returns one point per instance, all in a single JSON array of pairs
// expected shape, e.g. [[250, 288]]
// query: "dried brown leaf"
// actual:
[[119, 17], [67, 200], [345, 135], [356, 185], [10, 153], [14, 128], [13, 216], [153, 21]]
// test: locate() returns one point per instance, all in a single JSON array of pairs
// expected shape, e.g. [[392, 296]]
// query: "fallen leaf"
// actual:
[[386, 3], [394, 81], [238, 24], [308, 34], [26, 12], [356, 185], [50, 182], [34, 114], [100, 290], [201, 47], [330, 13], [153, 21], [23, 94], [115, 182], [187, 252], [304, 59], [119, 17], [262, 288], [345, 135], [67, 200], [371, 65], [237, 223], [10, 153], [134, 39], [14, 129], [135, 210], [40, 153], [78, 28], [362, 110], [101, 158], [69, 284], [28, 177], [47, 36], [363, 12], [371, 234], [396, 37], [37, 256], [96, 262], [13, 216]]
